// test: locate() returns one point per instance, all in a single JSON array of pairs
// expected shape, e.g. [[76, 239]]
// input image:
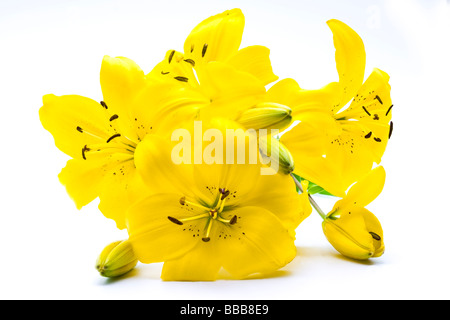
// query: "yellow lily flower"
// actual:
[[335, 144], [350, 228], [101, 137], [211, 216], [232, 79]]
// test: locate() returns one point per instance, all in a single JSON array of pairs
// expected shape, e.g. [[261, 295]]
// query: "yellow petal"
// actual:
[[120, 79], [200, 264], [254, 60], [261, 245], [82, 180], [230, 91], [366, 190], [175, 68], [74, 121], [154, 237], [307, 146], [216, 38], [277, 194], [153, 160], [372, 102], [350, 58]]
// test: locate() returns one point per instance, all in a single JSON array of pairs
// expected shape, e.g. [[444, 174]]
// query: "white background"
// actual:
[[48, 248]]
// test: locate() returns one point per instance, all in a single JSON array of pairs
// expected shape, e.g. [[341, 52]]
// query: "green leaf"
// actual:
[[312, 187]]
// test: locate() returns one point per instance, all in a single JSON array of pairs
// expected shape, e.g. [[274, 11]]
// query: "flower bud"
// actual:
[[116, 259], [355, 232], [272, 149], [266, 115]]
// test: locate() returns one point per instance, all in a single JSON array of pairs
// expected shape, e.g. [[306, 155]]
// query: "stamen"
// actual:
[[171, 56], [164, 73], [193, 204], [79, 129], [206, 238], [389, 109], [113, 117], [375, 236], [391, 127], [183, 79], [113, 136], [232, 221], [174, 220], [367, 136], [103, 104], [190, 61], [205, 46], [377, 139], [378, 98], [85, 148], [366, 111]]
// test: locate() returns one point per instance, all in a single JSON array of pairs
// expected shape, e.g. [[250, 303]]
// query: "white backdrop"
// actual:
[[48, 247]]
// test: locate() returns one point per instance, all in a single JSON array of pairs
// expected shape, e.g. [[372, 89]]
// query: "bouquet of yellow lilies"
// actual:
[[208, 167]]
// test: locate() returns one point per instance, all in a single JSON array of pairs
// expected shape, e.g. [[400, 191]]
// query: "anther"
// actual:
[[171, 55], [378, 98], [377, 139], [375, 236], [387, 112], [366, 111], [103, 104], [85, 148], [80, 129], [174, 220], [183, 201], [375, 117], [391, 127], [225, 194], [206, 239], [113, 117], [205, 46], [233, 220], [190, 61], [367, 136], [112, 137], [182, 79], [164, 73]]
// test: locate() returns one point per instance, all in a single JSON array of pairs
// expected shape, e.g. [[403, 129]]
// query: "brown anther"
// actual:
[[375, 236], [206, 239], [174, 220], [233, 220], [183, 201]]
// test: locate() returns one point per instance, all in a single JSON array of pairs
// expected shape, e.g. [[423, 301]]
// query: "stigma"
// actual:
[[211, 214]]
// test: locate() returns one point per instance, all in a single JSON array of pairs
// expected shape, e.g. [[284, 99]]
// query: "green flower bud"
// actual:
[[116, 259], [272, 149], [266, 115]]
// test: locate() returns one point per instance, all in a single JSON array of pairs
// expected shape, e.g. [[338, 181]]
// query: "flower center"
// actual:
[[211, 214], [108, 143]]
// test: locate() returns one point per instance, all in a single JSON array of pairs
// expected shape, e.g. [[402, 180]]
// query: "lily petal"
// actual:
[[216, 38], [200, 264], [153, 236], [258, 243], [366, 190], [254, 60], [350, 59], [120, 79], [68, 118]]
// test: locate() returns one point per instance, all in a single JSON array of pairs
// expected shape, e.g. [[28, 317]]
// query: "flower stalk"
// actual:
[[311, 200]]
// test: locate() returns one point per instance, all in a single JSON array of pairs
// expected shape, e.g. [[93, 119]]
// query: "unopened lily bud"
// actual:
[[274, 151], [116, 259], [355, 232], [266, 115]]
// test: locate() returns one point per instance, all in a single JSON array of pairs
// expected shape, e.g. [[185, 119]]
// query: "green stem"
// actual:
[[311, 200]]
